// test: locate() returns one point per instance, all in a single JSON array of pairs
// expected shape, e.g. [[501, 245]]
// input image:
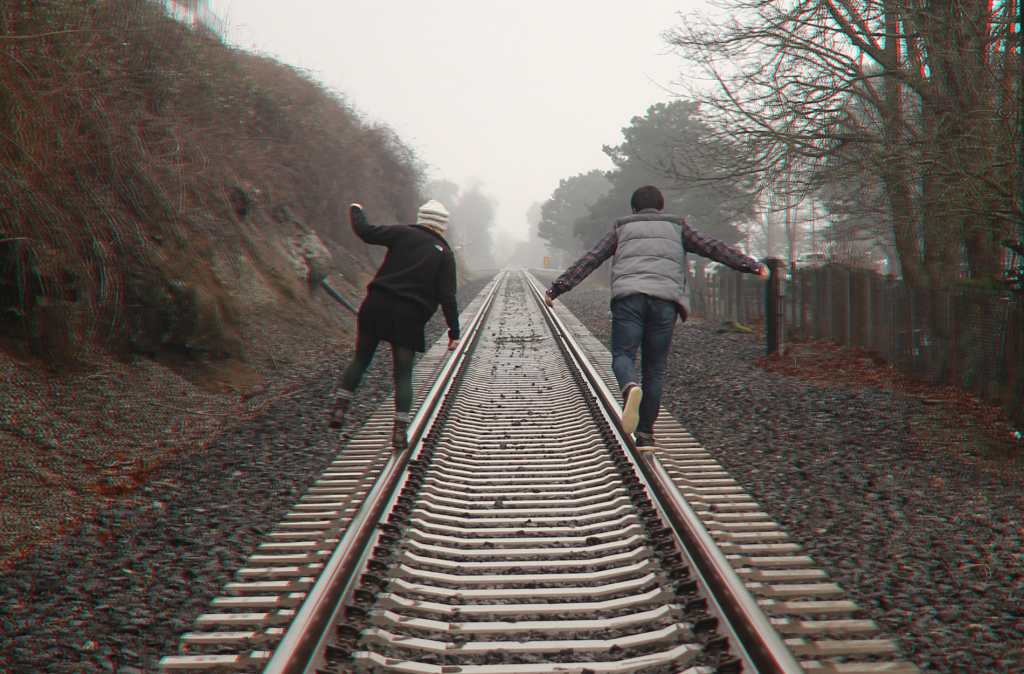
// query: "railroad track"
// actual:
[[522, 533]]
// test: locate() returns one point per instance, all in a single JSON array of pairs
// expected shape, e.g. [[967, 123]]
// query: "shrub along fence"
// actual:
[[967, 337]]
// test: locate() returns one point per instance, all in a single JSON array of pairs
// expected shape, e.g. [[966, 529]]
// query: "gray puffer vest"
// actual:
[[650, 259]]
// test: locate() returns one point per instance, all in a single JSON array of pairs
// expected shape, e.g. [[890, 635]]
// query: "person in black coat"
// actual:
[[417, 274]]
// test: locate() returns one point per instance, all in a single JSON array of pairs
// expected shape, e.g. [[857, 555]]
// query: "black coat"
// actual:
[[419, 266]]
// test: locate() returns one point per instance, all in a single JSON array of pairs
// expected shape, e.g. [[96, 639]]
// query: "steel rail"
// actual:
[[762, 643], [302, 642]]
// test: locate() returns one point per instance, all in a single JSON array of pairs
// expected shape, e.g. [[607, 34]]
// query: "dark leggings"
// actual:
[[366, 346]]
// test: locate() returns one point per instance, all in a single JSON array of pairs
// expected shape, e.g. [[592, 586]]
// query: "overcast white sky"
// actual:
[[514, 94]]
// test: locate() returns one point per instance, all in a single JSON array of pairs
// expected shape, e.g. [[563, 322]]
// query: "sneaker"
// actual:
[[338, 413], [631, 410], [645, 444], [399, 437]]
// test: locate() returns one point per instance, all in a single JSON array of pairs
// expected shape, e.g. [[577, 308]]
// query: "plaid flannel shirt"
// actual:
[[692, 241]]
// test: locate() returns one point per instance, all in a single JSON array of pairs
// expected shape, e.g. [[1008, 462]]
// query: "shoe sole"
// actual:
[[631, 411]]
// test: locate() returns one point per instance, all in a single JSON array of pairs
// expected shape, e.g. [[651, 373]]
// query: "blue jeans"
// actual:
[[647, 322]]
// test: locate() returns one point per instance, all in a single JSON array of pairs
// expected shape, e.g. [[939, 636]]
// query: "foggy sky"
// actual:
[[515, 95]]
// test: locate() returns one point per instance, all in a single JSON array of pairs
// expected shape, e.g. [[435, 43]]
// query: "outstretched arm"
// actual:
[[719, 251], [583, 267], [372, 234]]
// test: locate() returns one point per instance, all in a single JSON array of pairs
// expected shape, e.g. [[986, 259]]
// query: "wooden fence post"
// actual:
[[814, 299], [890, 302], [719, 301], [828, 303], [849, 311], [867, 312], [951, 372], [771, 307], [910, 329], [800, 307], [731, 297], [796, 301], [741, 314]]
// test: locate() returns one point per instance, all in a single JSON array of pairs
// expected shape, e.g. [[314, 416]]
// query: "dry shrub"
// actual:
[[138, 154]]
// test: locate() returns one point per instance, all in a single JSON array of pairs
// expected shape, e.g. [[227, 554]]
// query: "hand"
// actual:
[[764, 272], [548, 300], [453, 344], [352, 206]]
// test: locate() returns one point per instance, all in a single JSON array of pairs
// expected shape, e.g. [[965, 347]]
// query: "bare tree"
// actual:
[[914, 100], [765, 233]]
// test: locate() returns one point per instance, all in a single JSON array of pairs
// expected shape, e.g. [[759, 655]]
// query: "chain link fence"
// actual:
[[970, 338]]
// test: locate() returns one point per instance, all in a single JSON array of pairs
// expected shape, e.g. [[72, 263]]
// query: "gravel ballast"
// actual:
[[927, 542], [115, 594]]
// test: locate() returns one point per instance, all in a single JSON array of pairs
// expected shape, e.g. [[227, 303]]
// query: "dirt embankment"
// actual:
[[168, 207]]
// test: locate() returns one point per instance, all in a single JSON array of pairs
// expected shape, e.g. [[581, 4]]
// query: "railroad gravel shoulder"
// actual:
[[927, 541], [115, 594]]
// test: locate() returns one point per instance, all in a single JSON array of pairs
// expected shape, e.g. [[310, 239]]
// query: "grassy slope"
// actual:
[[146, 165], [154, 184]]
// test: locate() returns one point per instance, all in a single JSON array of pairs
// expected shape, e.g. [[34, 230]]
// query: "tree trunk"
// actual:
[[896, 172], [941, 229], [963, 146], [984, 256]]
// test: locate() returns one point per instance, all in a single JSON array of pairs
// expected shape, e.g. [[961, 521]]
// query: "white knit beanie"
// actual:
[[433, 214]]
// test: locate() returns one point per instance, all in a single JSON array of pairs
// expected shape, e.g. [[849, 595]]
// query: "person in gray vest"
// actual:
[[649, 289]]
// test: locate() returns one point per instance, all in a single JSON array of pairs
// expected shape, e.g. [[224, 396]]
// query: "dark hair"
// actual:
[[647, 196]]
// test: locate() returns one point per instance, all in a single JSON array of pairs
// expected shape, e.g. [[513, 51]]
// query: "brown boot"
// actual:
[[338, 414], [400, 438]]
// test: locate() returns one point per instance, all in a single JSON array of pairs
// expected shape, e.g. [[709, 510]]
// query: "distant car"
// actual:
[[810, 260], [876, 263]]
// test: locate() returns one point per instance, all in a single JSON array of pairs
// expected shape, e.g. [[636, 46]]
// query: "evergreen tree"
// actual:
[[670, 141], [568, 203]]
